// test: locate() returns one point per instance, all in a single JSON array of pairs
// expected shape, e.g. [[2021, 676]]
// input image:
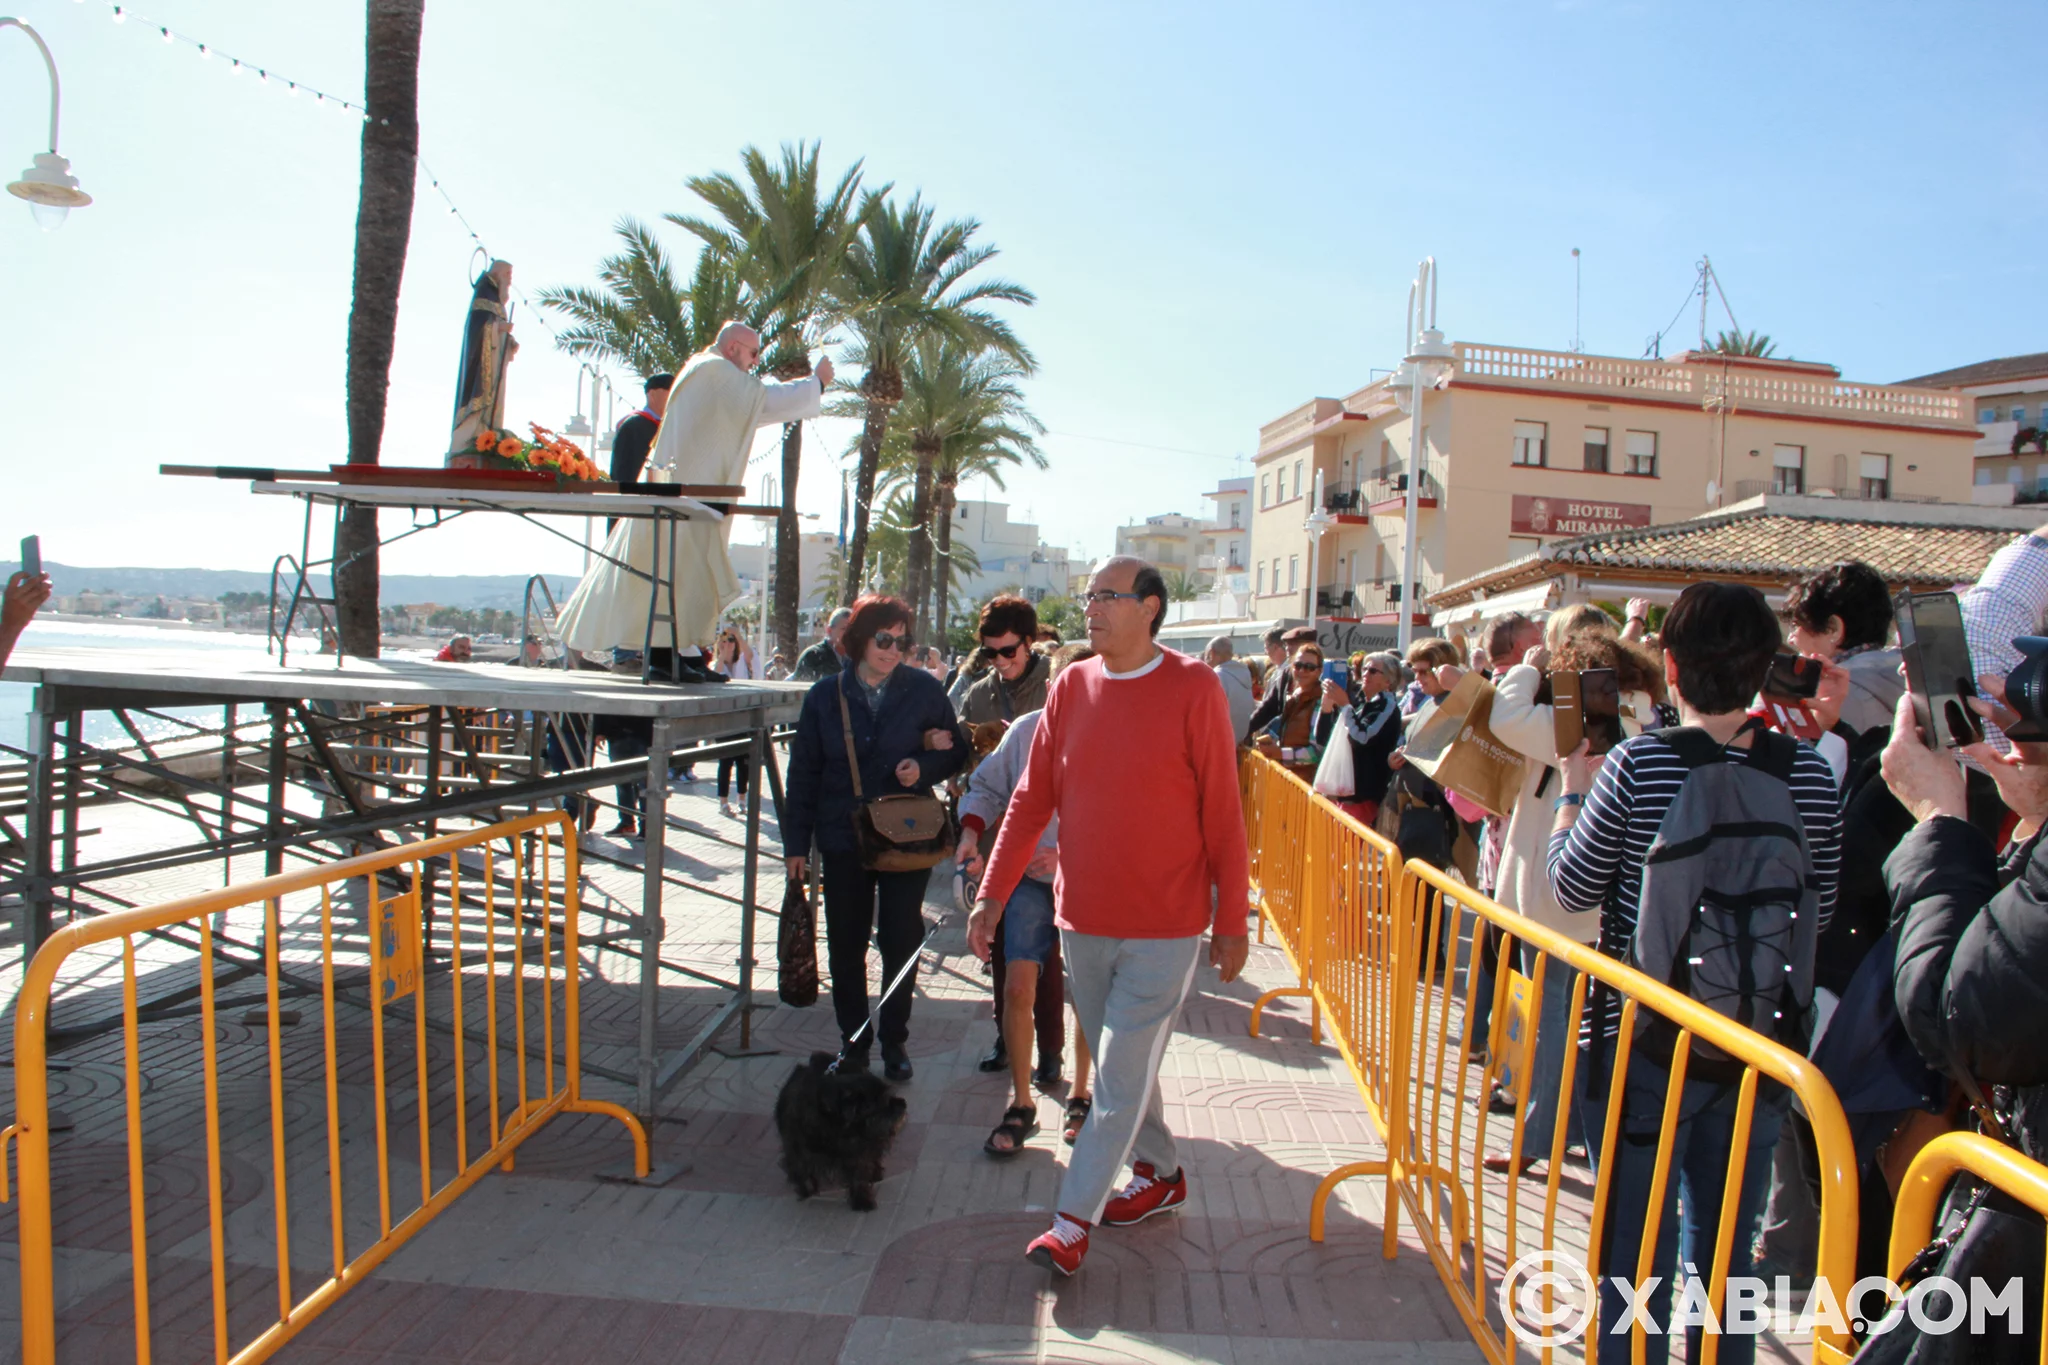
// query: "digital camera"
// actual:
[[2026, 690]]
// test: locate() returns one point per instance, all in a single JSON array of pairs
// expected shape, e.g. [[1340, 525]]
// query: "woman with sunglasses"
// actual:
[[1295, 735], [905, 739]]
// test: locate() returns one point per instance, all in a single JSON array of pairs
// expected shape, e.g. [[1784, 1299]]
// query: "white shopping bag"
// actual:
[[1334, 775]]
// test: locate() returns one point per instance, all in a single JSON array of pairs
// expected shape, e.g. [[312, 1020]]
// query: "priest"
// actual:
[[714, 408]]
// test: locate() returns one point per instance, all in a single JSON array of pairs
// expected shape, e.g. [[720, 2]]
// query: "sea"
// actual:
[[118, 635]]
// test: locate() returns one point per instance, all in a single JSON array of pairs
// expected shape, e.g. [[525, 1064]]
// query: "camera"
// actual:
[[2026, 690]]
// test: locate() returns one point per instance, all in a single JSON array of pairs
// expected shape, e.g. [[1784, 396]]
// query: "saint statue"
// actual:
[[487, 345]]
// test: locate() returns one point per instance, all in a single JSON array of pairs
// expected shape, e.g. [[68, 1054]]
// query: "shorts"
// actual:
[[1028, 931]]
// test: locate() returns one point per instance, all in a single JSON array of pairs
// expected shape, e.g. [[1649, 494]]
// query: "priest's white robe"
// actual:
[[705, 438]]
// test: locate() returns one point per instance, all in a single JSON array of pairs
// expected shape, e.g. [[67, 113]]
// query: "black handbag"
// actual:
[[904, 833], [1983, 1233], [796, 949]]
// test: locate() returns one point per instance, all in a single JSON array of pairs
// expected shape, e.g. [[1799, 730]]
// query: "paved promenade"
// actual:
[[724, 1264]]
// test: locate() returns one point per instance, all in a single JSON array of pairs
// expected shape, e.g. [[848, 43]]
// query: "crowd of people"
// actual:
[[1827, 875]]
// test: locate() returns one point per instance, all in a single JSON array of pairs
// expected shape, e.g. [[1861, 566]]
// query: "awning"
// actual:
[[1534, 601]]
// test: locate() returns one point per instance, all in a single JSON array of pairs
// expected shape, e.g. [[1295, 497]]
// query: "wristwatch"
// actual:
[[1568, 799]]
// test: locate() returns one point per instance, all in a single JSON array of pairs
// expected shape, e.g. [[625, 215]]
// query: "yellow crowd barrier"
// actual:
[[1387, 950], [1927, 1180], [504, 929]]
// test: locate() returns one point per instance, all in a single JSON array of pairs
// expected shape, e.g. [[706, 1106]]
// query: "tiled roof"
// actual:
[[1756, 544], [1986, 372]]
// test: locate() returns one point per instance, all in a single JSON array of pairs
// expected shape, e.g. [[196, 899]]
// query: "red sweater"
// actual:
[[1142, 772]]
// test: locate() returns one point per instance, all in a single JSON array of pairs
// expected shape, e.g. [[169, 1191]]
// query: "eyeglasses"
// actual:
[[1006, 652], [1306, 667], [1374, 668], [1104, 597], [884, 640]]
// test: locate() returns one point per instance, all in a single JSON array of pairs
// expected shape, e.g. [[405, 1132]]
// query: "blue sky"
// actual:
[[1219, 206]]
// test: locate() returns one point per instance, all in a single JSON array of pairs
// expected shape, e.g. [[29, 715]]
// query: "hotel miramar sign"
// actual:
[[1544, 516]]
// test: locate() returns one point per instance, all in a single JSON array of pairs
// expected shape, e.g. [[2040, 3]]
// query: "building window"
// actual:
[[1299, 487], [1236, 515], [1987, 414], [1532, 444], [2019, 414], [1642, 453], [1265, 490], [1877, 476], [1293, 572], [1262, 580], [1596, 450], [1983, 477], [1276, 573], [1788, 469]]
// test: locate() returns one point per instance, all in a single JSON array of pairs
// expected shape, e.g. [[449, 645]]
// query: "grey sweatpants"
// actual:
[[1128, 993]]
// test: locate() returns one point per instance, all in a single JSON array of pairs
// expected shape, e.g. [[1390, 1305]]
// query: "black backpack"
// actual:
[[1729, 913]]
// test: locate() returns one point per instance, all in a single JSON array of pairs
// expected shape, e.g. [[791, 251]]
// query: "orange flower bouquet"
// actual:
[[546, 453]]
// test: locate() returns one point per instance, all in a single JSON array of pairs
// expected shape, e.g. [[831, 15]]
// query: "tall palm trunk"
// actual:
[[788, 544], [918, 573], [942, 518], [391, 141], [882, 395]]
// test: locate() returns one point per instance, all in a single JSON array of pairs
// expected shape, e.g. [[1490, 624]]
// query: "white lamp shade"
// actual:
[[49, 183]]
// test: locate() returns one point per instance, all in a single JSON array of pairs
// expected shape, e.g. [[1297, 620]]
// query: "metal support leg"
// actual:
[[654, 846], [74, 728], [750, 884], [273, 858], [433, 826], [229, 758], [39, 823], [774, 776]]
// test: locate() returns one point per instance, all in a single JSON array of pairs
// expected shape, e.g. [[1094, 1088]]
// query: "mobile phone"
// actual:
[[1939, 675], [1600, 708], [1566, 712], [32, 555], [1793, 677], [1338, 672]]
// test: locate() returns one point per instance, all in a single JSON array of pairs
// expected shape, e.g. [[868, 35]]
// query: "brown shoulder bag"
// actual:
[[905, 833]]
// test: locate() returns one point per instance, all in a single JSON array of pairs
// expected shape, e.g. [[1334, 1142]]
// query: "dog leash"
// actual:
[[902, 975]]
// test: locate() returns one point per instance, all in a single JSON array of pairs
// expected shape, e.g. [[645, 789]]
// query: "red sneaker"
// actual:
[[1061, 1246], [1147, 1194]]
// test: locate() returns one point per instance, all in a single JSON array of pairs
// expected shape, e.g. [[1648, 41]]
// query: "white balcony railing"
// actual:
[[1713, 386]]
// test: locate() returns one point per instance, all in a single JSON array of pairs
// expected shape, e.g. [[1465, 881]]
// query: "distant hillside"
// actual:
[[507, 592]]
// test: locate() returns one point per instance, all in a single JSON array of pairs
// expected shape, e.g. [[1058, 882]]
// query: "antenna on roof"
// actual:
[[1578, 339]]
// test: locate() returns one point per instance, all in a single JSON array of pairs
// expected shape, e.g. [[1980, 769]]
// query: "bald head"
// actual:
[[740, 344], [1220, 651]]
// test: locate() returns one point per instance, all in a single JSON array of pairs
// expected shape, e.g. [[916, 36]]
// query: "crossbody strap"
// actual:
[[846, 724]]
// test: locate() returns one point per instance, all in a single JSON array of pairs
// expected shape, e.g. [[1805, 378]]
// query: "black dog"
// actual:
[[836, 1128]]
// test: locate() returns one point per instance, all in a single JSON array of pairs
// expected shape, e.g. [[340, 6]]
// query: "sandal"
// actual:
[[1077, 1114], [1020, 1123]]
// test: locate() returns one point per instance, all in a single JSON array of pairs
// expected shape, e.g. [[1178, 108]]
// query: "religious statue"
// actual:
[[487, 345]]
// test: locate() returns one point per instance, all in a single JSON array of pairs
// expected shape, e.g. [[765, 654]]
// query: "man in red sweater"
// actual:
[[1135, 754]]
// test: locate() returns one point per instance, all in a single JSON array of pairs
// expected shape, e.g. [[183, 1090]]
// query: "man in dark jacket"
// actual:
[[823, 659]]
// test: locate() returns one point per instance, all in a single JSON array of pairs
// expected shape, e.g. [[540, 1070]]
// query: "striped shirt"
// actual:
[[1598, 863]]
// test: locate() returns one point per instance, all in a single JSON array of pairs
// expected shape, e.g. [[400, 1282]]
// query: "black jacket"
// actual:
[[630, 444], [820, 798], [1972, 978], [1369, 768], [821, 660]]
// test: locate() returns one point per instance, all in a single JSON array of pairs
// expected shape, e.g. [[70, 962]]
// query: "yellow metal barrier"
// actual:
[[1927, 1179], [1378, 946], [508, 938], [1286, 815]]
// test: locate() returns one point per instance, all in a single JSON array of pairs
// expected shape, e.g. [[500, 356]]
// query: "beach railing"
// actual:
[[473, 1045]]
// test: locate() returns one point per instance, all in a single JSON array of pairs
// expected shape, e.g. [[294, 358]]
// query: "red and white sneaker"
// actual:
[[1061, 1246], [1147, 1194]]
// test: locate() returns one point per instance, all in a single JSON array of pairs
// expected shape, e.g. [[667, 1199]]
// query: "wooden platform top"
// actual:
[[630, 506], [194, 677]]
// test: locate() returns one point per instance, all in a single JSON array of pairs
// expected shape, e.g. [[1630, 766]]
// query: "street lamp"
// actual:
[[1315, 523], [1428, 361], [48, 185]]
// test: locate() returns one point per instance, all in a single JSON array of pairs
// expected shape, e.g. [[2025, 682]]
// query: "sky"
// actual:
[[1219, 207]]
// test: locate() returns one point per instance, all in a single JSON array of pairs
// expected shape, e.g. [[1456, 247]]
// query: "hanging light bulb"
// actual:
[[120, 15], [166, 32], [51, 190], [206, 52]]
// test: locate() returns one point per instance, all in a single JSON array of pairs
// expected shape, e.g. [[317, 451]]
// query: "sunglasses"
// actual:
[[1006, 652], [1308, 668], [884, 640]]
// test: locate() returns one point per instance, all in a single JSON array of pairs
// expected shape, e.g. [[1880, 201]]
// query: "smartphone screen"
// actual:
[[1600, 704], [1793, 677], [1939, 674], [31, 555]]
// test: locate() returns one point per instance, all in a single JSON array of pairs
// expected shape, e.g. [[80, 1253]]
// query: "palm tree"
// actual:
[[1180, 587], [956, 401], [642, 316], [1739, 342], [903, 279], [391, 144], [787, 238]]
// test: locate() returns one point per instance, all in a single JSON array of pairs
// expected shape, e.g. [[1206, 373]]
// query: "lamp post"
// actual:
[[48, 184], [1427, 361], [1315, 523]]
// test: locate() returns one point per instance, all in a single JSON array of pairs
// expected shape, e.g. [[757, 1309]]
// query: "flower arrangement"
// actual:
[[546, 453]]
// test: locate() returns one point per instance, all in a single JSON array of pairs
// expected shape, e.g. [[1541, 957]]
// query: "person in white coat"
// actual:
[[707, 432]]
